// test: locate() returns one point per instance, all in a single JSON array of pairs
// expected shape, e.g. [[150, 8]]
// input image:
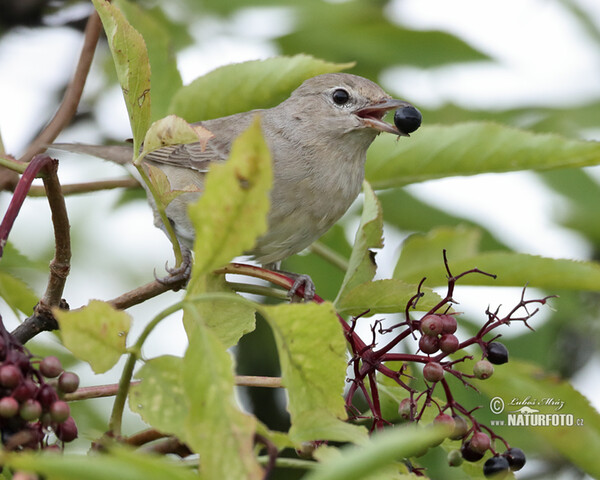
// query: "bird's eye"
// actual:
[[340, 96]]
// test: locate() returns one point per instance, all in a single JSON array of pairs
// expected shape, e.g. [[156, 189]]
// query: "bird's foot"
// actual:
[[303, 282], [178, 277]]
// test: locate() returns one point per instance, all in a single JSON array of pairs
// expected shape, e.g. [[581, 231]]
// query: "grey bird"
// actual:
[[318, 139]]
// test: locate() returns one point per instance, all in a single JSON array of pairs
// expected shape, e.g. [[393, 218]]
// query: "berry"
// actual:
[[406, 409], [25, 390], [18, 359], [60, 411], [449, 324], [431, 325], [51, 367], [67, 431], [496, 467], [407, 119], [8, 407], [483, 369], [429, 344], [446, 420], [68, 382], [497, 353], [449, 343], [46, 396], [30, 410], [516, 458], [10, 376], [480, 442], [433, 372], [461, 427], [455, 458], [469, 454]]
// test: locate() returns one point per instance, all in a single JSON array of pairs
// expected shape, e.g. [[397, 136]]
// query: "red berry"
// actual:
[[429, 344], [67, 431], [25, 390], [449, 324], [480, 442], [9, 407], [51, 367], [483, 369], [449, 343], [433, 372], [68, 382], [445, 419], [30, 410], [431, 325], [60, 411], [10, 375], [46, 396]]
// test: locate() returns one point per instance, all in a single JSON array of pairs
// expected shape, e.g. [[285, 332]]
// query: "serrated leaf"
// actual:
[[16, 293], [115, 463], [165, 78], [421, 256], [362, 266], [384, 296], [95, 333], [133, 68], [520, 380], [160, 398], [246, 86], [436, 151], [232, 211], [384, 448], [315, 383], [228, 319], [215, 427]]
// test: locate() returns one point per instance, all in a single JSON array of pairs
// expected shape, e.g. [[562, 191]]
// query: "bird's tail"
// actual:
[[113, 153]]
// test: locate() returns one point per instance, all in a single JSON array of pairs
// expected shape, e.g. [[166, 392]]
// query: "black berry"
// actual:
[[497, 353], [469, 454], [496, 467], [407, 119], [516, 458]]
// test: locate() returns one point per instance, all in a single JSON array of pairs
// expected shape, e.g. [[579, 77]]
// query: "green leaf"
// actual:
[[520, 380], [436, 151], [421, 257], [160, 398], [133, 68], [95, 333], [16, 293], [315, 383], [164, 77], [246, 86], [118, 462], [384, 296], [384, 448], [229, 320], [215, 427], [362, 266], [232, 212]]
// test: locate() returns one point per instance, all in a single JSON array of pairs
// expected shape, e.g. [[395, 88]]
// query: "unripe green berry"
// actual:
[[483, 369], [455, 458]]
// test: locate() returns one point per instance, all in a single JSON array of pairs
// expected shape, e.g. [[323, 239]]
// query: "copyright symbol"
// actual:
[[497, 405]]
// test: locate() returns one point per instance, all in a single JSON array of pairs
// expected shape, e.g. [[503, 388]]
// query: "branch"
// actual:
[[88, 187], [68, 106]]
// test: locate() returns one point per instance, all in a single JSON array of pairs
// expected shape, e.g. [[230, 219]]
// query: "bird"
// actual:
[[318, 139]]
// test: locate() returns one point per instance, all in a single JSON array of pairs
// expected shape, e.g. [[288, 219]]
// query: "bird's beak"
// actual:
[[372, 115]]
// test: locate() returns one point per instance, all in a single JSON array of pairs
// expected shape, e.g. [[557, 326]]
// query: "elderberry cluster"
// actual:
[[439, 352], [31, 410]]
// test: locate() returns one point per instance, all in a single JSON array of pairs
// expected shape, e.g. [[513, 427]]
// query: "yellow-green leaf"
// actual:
[[232, 211], [95, 333], [133, 68], [312, 354], [16, 293]]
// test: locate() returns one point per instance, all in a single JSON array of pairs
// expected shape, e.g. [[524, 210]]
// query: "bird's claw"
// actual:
[[177, 277], [305, 282]]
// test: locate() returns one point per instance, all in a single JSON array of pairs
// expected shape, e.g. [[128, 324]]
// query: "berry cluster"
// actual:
[[437, 340], [30, 406]]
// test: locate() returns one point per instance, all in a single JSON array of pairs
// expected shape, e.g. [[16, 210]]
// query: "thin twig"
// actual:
[[88, 187], [68, 106]]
